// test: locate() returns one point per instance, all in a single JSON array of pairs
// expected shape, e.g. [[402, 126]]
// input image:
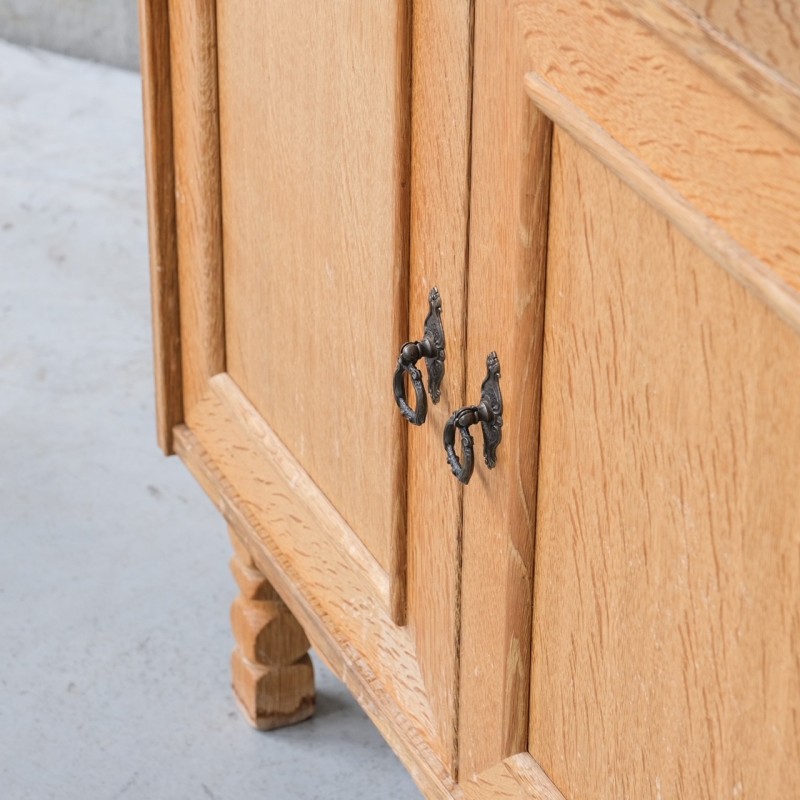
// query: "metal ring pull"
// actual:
[[432, 348], [489, 412]]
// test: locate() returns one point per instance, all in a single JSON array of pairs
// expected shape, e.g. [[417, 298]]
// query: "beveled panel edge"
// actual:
[[195, 131], [161, 227], [728, 61], [712, 239], [518, 777]]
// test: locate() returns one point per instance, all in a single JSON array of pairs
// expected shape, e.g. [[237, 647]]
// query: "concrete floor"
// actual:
[[114, 589]]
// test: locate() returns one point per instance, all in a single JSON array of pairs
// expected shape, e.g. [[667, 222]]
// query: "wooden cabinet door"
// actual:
[[318, 199], [632, 567], [314, 150]]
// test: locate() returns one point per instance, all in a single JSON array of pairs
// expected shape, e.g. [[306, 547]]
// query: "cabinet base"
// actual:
[[271, 697], [272, 673]]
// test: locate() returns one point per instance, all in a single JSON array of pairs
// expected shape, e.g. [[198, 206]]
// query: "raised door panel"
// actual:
[[666, 637], [314, 145]]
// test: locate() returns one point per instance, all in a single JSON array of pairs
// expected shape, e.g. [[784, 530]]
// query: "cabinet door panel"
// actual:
[[293, 192], [666, 625], [705, 191], [314, 147]]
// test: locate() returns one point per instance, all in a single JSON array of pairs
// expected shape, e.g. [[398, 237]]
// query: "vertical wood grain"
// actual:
[[508, 244], [315, 159], [441, 106], [157, 108], [666, 652], [193, 49]]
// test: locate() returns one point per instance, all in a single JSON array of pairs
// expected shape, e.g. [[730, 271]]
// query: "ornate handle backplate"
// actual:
[[432, 348], [489, 412]]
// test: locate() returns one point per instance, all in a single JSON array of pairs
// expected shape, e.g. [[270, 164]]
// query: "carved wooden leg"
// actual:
[[273, 678]]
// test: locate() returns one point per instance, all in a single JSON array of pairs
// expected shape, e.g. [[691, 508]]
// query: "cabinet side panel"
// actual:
[[157, 107], [314, 124], [666, 636]]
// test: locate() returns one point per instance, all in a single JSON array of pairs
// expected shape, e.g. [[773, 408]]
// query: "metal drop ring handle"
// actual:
[[432, 348], [489, 412], [461, 421], [405, 364]]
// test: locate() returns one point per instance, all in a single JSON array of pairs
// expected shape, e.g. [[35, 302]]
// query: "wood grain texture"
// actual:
[[305, 533], [708, 144], [317, 197], [320, 610], [197, 198], [516, 778], [272, 673], [508, 245], [441, 102], [715, 241], [441, 191], [157, 112], [770, 85], [315, 150], [769, 29], [323, 592], [289, 486], [666, 650]]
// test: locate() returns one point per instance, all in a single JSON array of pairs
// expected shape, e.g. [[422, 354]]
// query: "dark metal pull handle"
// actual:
[[432, 348], [489, 412]]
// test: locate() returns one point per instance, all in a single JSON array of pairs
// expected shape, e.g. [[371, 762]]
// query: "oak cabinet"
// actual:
[[606, 194]]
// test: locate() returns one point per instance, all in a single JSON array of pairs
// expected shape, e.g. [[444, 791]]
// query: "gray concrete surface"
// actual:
[[114, 590], [101, 30]]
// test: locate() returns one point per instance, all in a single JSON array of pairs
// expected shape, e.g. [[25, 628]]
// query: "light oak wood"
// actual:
[[157, 108], [273, 677], [566, 67], [197, 198], [274, 482], [516, 778], [432, 636], [676, 119], [770, 84], [667, 623], [201, 286], [336, 161], [305, 534], [283, 481], [769, 29], [441, 102], [508, 247], [707, 234], [315, 147], [288, 567]]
